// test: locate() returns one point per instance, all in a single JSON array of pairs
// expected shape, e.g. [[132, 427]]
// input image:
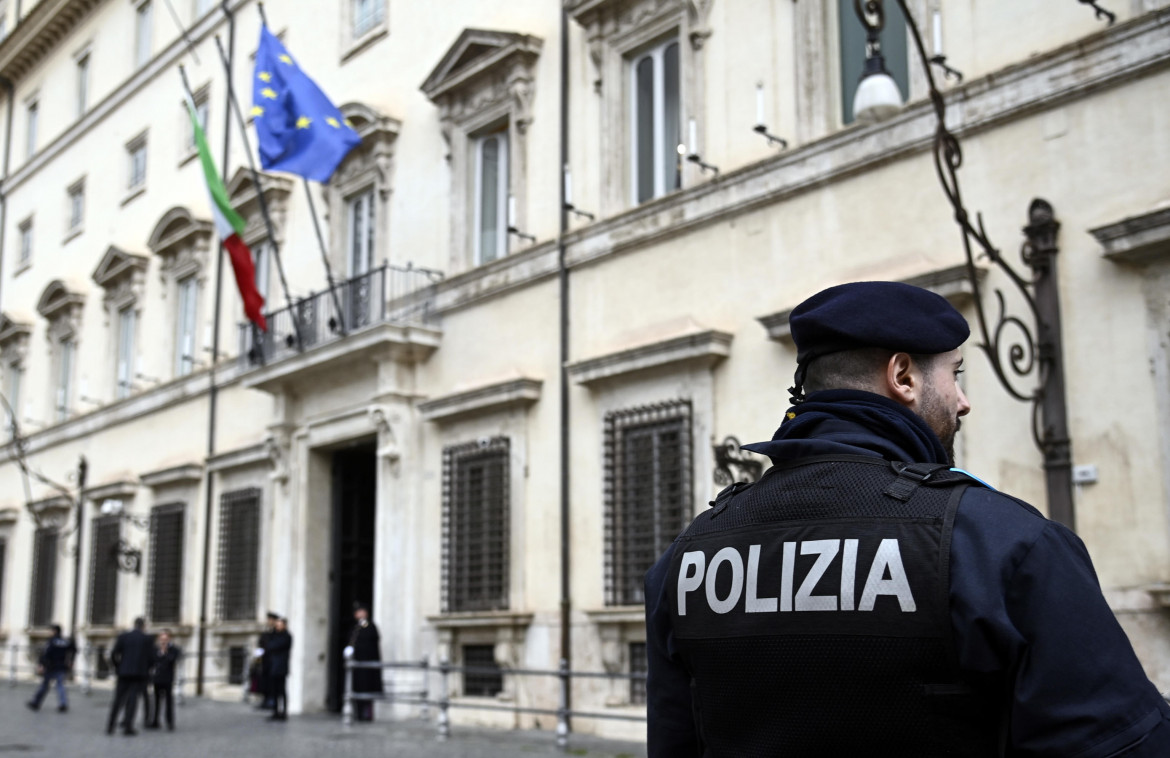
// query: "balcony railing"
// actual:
[[385, 295]]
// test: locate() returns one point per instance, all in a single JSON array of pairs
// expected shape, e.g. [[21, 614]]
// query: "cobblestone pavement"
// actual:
[[224, 730]]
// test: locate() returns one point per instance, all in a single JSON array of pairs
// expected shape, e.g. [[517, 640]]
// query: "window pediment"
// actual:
[[61, 304], [482, 70], [14, 334], [121, 275], [245, 200], [181, 241], [375, 152]]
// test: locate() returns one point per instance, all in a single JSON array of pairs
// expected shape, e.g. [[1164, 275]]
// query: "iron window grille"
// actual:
[[237, 664], [475, 526], [482, 676], [239, 554], [44, 578], [648, 473], [165, 590], [103, 576], [638, 666]]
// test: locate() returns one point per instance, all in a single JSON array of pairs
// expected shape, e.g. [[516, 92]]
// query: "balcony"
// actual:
[[390, 307]]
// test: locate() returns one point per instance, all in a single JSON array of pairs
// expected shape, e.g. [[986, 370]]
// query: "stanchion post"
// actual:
[[12, 665], [444, 704], [86, 669], [425, 710], [563, 709], [179, 684], [347, 702]]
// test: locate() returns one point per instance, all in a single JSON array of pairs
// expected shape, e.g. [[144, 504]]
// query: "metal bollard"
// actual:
[[563, 710], [425, 709], [347, 702], [86, 673], [12, 665], [179, 684], [444, 703]]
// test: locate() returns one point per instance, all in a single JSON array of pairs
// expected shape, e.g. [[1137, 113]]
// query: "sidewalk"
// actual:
[[225, 730]]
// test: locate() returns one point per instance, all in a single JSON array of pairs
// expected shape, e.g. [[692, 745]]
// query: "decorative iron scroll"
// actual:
[[732, 464]]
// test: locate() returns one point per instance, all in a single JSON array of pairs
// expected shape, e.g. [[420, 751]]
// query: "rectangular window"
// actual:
[[82, 85], [647, 492], [638, 666], [655, 121], [30, 130], [103, 577], [185, 316], [124, 371], [239, 554], [491, 196], [483, 677], [475, 526], [44, 577], [894, 41], [26, 240], [64, 388], [142, 34], [165, 590], [367, 15], [136, 162], [76, 206], [361, 232]]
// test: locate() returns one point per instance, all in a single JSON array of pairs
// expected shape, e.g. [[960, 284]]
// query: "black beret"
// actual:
[[273, 615], [891, 315]]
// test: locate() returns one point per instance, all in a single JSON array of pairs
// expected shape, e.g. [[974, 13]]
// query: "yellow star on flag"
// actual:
[[285, 59], [265, 76], [269, 93], [333, 122], [257, 110], [349, 123], [303, 122]]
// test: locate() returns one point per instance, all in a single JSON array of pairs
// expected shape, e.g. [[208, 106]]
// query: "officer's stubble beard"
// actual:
[[943, 422]]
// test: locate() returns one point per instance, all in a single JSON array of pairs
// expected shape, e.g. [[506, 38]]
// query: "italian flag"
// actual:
[[230, 226]]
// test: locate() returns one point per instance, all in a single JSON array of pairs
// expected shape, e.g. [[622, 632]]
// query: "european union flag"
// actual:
[[298, 129]]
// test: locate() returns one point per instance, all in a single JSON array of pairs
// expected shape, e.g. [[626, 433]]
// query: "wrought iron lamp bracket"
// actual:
[[732, 464]]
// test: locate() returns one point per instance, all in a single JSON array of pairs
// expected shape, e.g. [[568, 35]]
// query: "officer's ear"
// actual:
[[902, 381]]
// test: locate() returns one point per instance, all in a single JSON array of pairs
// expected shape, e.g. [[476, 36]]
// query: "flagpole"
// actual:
[[234, 107], [316, 223], [213, 390]]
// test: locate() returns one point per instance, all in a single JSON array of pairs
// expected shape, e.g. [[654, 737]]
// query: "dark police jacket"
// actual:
[[276, 653], [58, 654], [132, 654], [366, 647], [1030, 630], [164, 664]]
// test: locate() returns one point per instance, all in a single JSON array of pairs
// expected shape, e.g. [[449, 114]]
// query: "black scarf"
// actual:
[[852, 422]]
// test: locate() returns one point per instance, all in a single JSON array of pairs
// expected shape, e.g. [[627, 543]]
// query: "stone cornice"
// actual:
[[499, 47], [252, 455], [188, 473], [1121, 53], [480, 619], [703, 348], [1138, 239], [512, 393], [41, 29], [122, 489], [9, 516]]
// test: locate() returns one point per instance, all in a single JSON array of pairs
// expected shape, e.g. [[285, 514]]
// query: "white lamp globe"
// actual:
[[877, 98]]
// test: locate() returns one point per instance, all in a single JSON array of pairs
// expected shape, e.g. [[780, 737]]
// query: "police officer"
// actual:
[[864, 598], [55, 663]]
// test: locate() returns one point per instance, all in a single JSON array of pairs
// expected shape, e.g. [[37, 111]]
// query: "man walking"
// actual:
[[55, 663], [364, 646], [166, 657], [131, 657], [865, 598], [276, 652]]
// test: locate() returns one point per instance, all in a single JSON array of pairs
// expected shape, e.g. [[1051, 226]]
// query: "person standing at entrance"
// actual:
[[276, 653], [365, 646], [131, 657], [166, 657], [55, 663], [263, 685]]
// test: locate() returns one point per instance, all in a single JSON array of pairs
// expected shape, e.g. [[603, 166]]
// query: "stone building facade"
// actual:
[[407, 451]]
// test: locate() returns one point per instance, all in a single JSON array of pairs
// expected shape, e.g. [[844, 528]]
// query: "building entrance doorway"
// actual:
[[351, 576]]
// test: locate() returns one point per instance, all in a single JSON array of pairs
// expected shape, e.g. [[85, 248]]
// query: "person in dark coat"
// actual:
[[365, 646], [276, 652], [990, 635], [263, 685], [132, 655], [54, 665], [166, 658]]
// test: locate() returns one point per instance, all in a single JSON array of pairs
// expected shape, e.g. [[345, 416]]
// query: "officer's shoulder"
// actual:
[[988, 509]]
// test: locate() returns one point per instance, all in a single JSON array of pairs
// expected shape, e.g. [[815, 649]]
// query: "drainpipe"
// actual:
[[10, 90], [563, 276]]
